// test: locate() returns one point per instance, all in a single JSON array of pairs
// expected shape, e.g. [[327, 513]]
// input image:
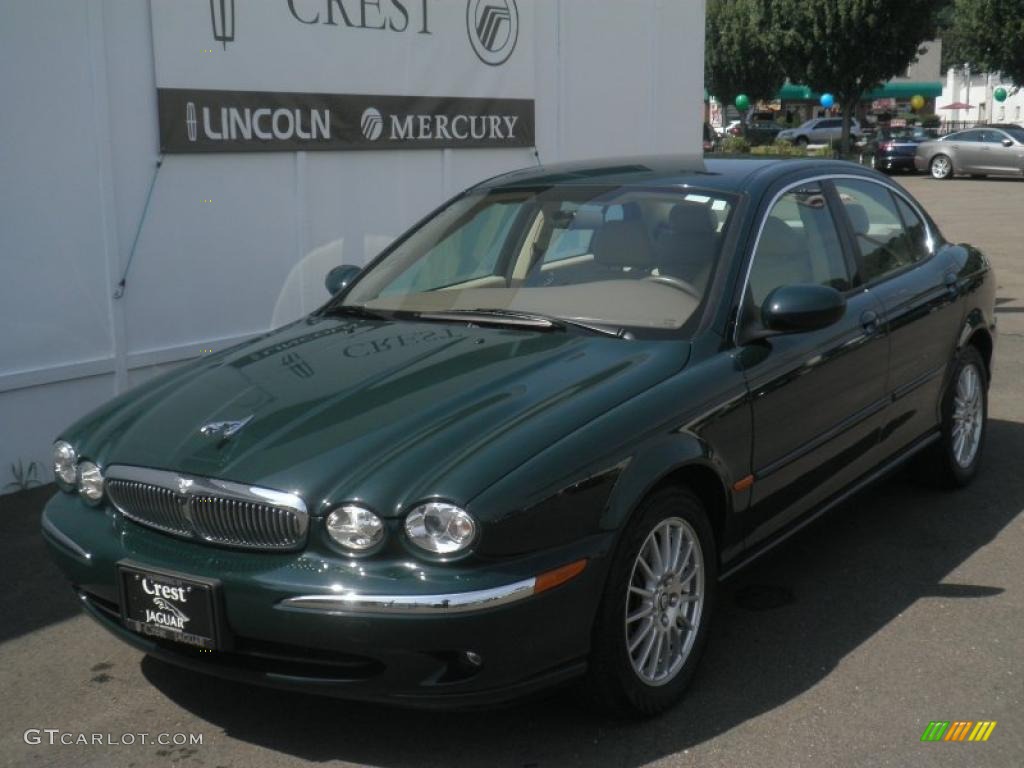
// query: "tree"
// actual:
[[739, 53], [990, 36], [849, 47]]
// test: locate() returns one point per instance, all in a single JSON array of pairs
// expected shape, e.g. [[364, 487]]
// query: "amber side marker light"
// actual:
[[742, 485], [552, 579]]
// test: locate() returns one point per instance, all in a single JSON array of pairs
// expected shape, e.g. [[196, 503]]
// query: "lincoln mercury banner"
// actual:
[[287, 75]]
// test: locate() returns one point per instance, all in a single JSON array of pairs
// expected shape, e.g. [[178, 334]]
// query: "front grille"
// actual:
[[214, 511], [151, 505]]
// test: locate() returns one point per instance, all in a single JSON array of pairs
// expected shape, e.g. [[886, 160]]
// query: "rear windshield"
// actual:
[[620, 256]]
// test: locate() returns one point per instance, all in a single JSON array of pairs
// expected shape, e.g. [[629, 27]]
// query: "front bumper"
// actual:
[[360, 629]]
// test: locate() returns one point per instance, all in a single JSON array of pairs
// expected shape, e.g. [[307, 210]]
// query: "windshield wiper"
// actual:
[[521, 319], [356, 310]]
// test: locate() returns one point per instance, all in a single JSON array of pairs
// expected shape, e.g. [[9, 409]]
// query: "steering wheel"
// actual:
[[675, 282]]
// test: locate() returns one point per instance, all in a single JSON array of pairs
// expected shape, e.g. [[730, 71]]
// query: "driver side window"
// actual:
[[799, 244]]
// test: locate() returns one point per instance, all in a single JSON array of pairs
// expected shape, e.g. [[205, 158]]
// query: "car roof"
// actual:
[[716, 173]]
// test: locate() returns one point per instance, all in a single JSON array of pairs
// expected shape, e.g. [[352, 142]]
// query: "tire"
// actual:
[[801, 141], [947, 463], [618, 681], [941, 167]]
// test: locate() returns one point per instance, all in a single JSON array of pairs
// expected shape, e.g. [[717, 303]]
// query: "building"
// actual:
[[977, 90], [294, 136]]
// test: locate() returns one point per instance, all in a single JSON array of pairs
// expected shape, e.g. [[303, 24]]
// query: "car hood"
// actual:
[[385, 412]]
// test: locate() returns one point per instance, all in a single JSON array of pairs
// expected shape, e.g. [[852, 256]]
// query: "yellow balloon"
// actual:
[[917, 102]]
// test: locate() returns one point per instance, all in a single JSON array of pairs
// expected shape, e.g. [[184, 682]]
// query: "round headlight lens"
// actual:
[[441, 528], [64, 458], [355, 528], [90, 482]]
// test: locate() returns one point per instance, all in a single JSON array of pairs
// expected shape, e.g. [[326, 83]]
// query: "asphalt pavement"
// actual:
[[903, 607]]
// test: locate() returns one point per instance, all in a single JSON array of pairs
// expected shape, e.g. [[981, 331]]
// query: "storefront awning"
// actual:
[[892, 90]]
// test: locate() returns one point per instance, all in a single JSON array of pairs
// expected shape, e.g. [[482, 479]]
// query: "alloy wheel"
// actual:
[[942, 167], [968, 416], [665, 601]]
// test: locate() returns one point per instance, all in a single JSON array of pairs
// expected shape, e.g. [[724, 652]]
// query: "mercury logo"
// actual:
[[190, 120], [372, 124], [493, 28]]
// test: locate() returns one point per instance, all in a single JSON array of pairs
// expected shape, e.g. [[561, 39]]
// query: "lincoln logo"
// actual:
[[190, 120], [493, 28], [234, 123], [222, 16], [372, 124]]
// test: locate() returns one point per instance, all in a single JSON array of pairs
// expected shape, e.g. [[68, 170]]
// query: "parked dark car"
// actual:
[[710, 138], [526, 442], [987, 150], [893, 149], [760, 128]]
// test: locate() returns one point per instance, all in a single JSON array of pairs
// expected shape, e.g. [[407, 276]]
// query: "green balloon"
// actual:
[[999, 94], [742, 102]]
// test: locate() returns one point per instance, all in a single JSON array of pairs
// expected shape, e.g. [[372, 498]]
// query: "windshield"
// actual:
[[616, 256]]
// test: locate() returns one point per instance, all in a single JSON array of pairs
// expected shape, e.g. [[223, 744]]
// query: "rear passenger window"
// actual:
[[916, 230], [799, 244], [884, 243]]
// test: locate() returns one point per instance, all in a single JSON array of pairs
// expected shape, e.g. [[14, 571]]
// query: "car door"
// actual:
[[1002, 158], [914, 281], [825, 131], [969, 156], [816, 397]]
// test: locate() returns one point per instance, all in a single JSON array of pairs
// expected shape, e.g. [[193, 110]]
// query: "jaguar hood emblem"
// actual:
[[224, 429]]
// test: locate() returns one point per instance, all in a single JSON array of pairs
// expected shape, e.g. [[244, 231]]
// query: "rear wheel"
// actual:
[[653, 620], [802, 141], [941, 167], [953, 461]]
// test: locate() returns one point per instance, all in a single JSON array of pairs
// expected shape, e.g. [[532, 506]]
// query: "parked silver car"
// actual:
[[987, 149], [821, 130]]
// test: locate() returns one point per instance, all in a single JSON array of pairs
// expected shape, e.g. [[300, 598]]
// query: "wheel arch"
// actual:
[[684, 462], [976, 333]]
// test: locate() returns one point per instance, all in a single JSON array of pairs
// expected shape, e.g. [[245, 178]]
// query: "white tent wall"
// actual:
[[78, 148]]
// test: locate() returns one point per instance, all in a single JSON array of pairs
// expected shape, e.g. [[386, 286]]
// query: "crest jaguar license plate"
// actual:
[[167, 606]]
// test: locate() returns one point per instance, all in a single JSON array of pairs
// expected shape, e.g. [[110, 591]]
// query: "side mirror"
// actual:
[[796, 309], [801, 308], [1007, 142], [339, 278]]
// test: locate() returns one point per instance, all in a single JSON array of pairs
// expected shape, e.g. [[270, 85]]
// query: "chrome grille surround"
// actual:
[[206, 509]]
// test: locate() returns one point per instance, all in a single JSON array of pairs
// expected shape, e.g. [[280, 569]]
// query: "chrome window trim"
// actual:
[[352, 603], [194, 485], [930, 239]]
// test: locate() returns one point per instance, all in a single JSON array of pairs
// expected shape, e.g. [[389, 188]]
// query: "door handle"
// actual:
[[869, 321], [952, 283]]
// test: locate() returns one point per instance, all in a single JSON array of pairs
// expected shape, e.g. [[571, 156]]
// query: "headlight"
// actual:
[[355, 528], [441, 528], [64, 458], [90, 482]]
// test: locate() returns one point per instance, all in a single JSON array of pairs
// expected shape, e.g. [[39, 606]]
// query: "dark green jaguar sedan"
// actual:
[[525, 443]]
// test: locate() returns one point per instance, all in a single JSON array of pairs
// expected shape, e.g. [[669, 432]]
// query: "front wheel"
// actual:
[[802, 141], [941, 167], [653, 620], [953, 461]]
